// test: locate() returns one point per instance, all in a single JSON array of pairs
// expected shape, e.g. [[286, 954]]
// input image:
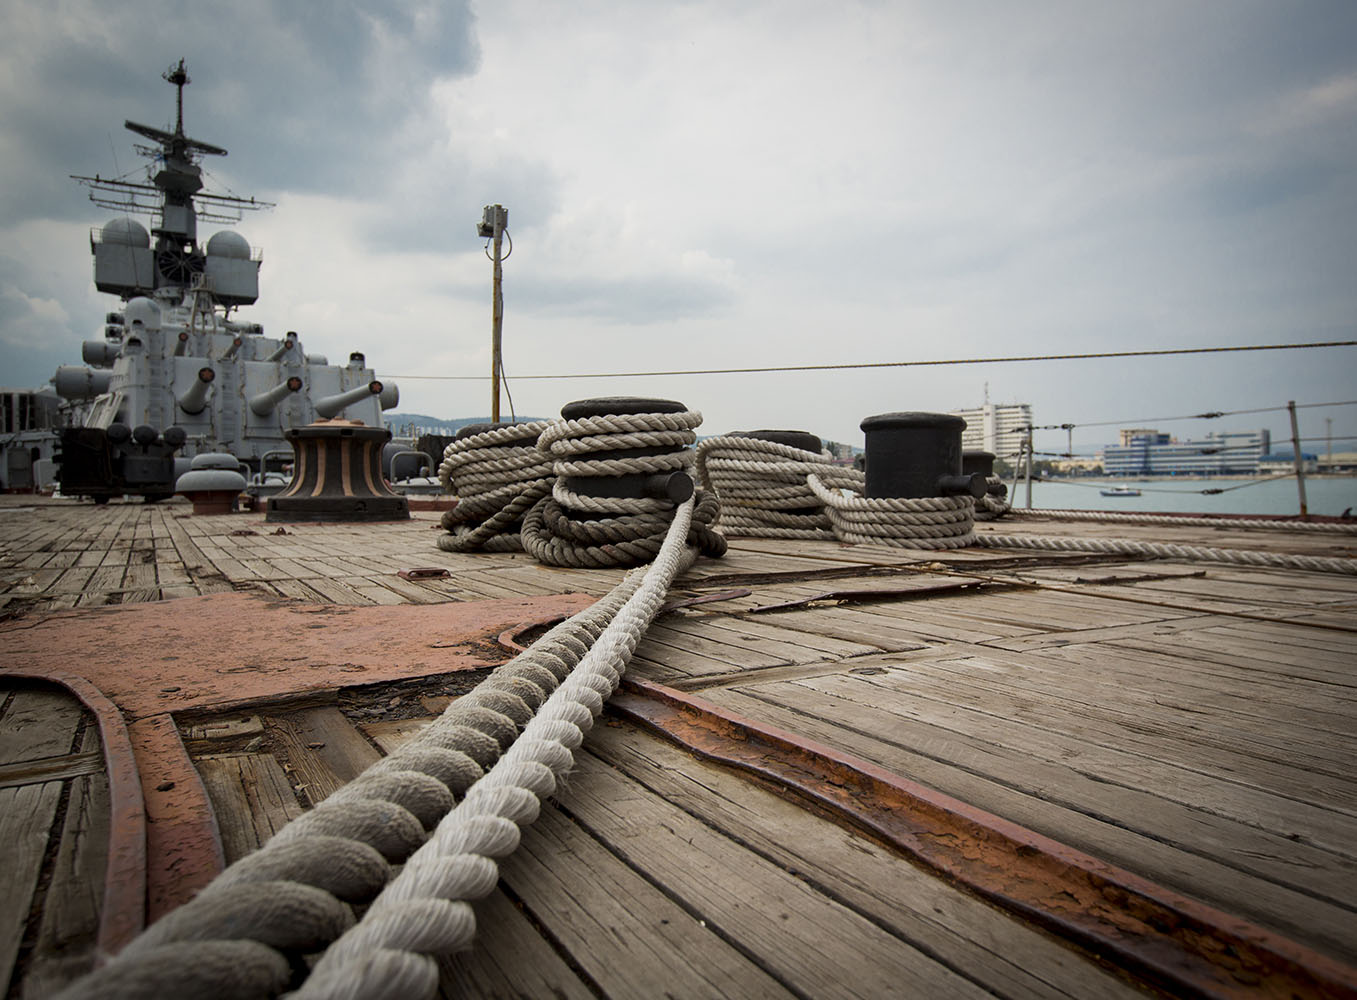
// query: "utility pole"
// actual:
[[1299, 462], [493, 224], [1027, 446]]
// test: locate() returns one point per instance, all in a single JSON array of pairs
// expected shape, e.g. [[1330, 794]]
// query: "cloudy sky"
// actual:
[[736, 183]]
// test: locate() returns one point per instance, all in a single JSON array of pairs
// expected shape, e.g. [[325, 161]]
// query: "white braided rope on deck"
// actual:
[[424, 912], [759, 482], [1127, 517], [1129, 547], [922, 523]]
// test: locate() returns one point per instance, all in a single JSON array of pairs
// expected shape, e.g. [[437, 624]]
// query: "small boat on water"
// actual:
[[1121, 491]]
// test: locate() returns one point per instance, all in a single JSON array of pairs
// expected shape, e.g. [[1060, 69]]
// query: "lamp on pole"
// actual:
[[492, 227]]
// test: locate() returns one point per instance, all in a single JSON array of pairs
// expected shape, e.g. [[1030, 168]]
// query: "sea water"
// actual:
[[1330, 495]]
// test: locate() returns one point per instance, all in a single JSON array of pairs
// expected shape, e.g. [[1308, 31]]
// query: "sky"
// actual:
[[737, 183]]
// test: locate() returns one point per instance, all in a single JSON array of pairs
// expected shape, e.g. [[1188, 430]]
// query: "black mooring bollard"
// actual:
[[982, 462], [914, 455]]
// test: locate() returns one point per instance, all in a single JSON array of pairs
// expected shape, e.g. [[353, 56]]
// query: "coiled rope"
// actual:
[[575, 528], [993, 504], [1212, 522], [763, 488], [497, 475], [245, 934], [424, 912], [922, 523], [1128, 547]]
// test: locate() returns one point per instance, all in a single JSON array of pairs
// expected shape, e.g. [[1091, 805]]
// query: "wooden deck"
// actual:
[[1193, 724]]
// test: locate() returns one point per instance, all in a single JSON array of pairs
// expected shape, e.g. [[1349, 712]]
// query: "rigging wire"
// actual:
[[1209, 491], [918, 364], [1209, 415]]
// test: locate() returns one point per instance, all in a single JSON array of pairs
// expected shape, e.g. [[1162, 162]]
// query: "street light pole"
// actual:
[[492, 226]]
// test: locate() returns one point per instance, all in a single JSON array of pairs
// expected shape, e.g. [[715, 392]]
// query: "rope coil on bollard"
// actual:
[[497, 475], [918, 523], [763, 489], [572, 527]]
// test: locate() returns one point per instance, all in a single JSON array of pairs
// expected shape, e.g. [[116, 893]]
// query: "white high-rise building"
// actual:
[[998, 428]]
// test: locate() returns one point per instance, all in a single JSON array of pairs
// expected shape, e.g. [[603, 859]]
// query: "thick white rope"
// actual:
[[922, 523], [1126, 517], [763, 490], [289, 897], [424, 912], [1128, 547]]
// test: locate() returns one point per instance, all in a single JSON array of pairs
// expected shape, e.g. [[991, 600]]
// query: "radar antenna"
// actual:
[[176, 177]]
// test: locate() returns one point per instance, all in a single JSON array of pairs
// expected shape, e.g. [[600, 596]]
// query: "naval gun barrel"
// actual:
[[235, 346], [329, 406], [264, 403], [286, 346], [181, 347], [195, 397]]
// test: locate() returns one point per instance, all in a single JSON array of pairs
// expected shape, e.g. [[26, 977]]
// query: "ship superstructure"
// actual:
[[176, 374]]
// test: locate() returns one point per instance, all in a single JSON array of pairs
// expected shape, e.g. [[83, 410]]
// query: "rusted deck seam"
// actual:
[[1151, 932]]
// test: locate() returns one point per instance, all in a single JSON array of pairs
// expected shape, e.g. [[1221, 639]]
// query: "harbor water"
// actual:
[[1329, 495]]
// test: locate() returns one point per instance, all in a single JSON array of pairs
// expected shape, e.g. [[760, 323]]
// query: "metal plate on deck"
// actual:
[[231, 649]]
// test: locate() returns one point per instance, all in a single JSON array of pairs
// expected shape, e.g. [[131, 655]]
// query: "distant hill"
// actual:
[[415, 424]]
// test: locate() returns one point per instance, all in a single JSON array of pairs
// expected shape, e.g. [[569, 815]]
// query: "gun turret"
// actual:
[[329, 406], [264, 403], [195, 398], [281, 353], [181, 347], [235, 346]]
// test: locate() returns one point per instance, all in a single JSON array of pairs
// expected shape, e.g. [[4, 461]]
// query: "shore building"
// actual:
[[998, 428], [1150, 453]]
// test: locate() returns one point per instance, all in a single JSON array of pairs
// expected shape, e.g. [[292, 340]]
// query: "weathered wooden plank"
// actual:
[[251, 797], [510, 959], [820, 647], [325, 750], [26, 816], [1241, 871], [38, 723], [1151, 733], [808, 940], [392, 735], [1005, 955], [51, 769], [1321, 845], [627, 936], [68, 932]]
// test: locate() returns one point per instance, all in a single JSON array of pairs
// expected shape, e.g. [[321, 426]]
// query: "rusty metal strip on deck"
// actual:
[[1150, 932], [122, 912]]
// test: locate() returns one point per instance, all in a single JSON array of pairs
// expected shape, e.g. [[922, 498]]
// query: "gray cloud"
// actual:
[[308, 95]]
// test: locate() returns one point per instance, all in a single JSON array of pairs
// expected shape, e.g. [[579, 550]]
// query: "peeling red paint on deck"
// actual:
[[232, 648]]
